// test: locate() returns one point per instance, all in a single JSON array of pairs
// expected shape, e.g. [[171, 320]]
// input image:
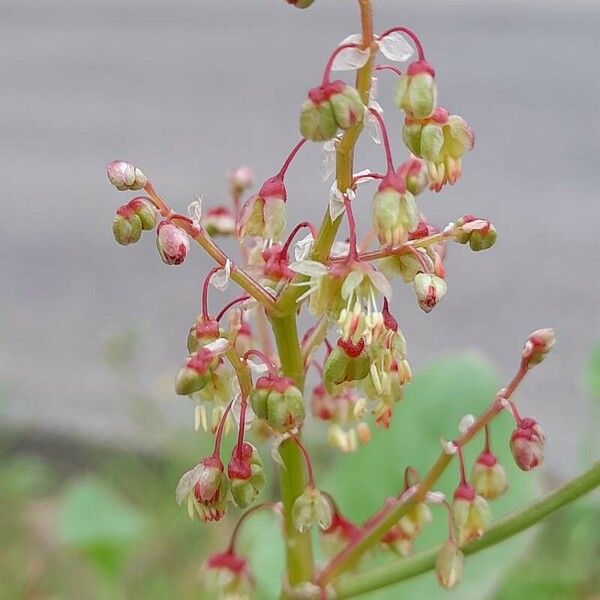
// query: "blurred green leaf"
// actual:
[[562, 564], [96, 521], [592, 374], [436, 400]]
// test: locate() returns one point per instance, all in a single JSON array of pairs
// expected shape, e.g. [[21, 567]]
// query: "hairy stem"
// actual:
[[506, 527]]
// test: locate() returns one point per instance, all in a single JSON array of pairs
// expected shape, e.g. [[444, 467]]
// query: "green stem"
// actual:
[[506, 527], [292, 476]]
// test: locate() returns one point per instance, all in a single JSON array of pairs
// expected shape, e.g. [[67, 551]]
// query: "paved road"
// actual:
[[187, 88]]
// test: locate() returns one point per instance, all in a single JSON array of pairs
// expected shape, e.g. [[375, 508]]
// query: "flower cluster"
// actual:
[[239, 384]]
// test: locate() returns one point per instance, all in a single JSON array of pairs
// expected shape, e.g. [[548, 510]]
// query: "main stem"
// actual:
[[510, 525], [292, 475]]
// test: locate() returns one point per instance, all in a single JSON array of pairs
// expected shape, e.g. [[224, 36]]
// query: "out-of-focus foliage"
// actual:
[[119, 534]]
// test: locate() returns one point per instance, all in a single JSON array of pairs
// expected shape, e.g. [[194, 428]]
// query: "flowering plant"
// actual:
[[240, 384]]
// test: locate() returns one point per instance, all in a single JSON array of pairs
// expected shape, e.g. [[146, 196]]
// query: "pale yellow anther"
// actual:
[[360, 408], [375, 379]]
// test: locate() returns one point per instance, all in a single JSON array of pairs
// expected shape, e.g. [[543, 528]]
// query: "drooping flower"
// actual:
[[246, 475], [416, 92], [205, 489], [449, 564], [264, 214], [471, 513], [527, 444], [173, 243], [311, 508], [279, 402], [488, 476], [227, 576]]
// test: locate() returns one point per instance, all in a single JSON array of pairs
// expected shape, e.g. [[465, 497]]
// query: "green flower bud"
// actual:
[[246, 475], [449, 565], [279, 402], [126, 229], [348, 107], [311, 508], [346, 362], [146, 212], [416, 92], [395, 214], [317, 121], [471, 514], [488, 476], [264, 215], [194, 375], [411, 134], [478, 233]]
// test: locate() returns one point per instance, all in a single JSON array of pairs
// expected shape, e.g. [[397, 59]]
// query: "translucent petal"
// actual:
[[373, 129], [258, 369], [187, 482], [351, 282], [275, 455], [303, 247], [220, 279], [218, 346], [195, 209], [312, 268], [381, 283], [340, 249], [336, 206], [435, 497], [466, 422], [237, 410], [394, 46], [350, 59], [328, 159], [362, 176]]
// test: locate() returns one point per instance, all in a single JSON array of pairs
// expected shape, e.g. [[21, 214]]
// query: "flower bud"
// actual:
[[194, 375], [416, 177], [205, 487], [246, 475], [241, 179], [538, 344], [449, 564], [300, 3], [219, 221], [173, 243], [394, 214], [203, 332], [145, 211], [416, 92], [527, 444], [311, 508], [480, 234], [488, 476], [125, 176], [430, 289], [441, 140], [126, 229], [328, 107], [346, 362], [264, 215], [279, 402], [228, 575], [471, 514]]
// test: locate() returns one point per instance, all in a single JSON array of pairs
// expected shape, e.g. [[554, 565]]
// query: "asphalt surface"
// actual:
[[187, 89]]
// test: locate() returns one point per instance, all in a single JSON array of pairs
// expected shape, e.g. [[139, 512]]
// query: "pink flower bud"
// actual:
[[527, 444], [125, 176], [240, 179], [430, 289], [173, 243], [228, 575], [538, 344], [219, 221]]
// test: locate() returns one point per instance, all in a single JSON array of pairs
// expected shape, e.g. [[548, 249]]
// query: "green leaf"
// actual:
[[95, 520], [433, 405]]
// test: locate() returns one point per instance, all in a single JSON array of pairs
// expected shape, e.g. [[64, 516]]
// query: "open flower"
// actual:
[[205, 489], [311, 508], [264, 215], [441, 140]]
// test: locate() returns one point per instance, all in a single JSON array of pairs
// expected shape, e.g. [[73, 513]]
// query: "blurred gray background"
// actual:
[[188, 88]]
